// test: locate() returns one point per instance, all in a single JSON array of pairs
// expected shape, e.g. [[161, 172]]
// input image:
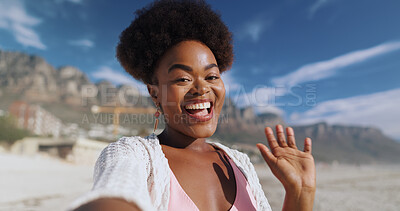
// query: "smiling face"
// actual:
[[190, 90]]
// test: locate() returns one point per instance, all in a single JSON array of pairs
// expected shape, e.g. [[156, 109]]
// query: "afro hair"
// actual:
[[165, 23]]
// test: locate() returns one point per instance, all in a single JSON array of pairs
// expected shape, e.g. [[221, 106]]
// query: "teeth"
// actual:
[[199, 106]]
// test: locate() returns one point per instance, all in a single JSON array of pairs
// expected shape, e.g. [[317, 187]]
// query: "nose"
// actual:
[[200, 87]]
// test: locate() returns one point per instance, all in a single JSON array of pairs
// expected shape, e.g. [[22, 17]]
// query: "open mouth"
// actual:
[[200, 110]]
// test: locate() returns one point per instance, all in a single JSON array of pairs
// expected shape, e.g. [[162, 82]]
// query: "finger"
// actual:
[[281, 136], [307, 145], [290, 137], [271, 138], [267, 155]]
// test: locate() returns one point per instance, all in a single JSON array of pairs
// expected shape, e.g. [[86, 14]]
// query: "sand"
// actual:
[[344, 187], [40, 182], [47, 184]]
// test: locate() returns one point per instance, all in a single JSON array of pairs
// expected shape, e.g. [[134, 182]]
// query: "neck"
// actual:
[[175, 139]]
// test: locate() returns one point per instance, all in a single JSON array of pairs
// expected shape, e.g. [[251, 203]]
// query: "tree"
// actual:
[[9, 132]]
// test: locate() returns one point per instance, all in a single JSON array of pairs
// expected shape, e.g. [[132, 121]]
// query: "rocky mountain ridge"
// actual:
[[32, 79], [67, 93], [349, 144]]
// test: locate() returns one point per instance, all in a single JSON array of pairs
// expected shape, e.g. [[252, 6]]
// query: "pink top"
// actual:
[[244, 199]]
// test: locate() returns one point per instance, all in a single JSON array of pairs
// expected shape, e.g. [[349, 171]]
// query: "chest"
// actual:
[[207, 179]]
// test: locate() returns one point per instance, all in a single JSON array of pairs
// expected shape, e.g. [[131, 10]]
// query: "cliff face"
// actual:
[[349, 144], [344, 144], [244, 119], [243, 125], [70, 81], [33, 79], [30, 76]]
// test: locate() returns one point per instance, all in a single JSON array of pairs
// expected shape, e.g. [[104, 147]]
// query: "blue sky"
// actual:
[[309, 60]]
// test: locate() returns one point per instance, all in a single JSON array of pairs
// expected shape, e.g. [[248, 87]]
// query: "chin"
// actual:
[[200, 130]]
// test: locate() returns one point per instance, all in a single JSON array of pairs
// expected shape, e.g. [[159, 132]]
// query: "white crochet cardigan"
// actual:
[[136, 169]]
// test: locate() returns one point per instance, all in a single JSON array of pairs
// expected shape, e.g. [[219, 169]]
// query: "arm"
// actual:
[[295, 169], [299, 201], [120, 179]]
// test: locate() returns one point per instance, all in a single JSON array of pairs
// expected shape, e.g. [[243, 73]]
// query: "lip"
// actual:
[[202, 118]]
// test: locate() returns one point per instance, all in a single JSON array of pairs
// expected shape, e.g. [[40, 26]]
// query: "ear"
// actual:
[[153, 91]]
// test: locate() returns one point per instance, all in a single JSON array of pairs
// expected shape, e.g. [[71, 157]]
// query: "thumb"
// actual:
[[267, 155]]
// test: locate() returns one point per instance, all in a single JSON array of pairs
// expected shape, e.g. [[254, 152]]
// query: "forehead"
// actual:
[[190, 53]]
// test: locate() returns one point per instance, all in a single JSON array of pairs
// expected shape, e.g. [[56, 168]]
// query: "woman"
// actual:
[[179, 49]]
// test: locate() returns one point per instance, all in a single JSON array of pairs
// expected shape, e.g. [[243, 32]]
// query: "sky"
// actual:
[[336, 61]]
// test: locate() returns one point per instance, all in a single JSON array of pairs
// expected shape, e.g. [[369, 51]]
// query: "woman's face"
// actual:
[[189, 90]]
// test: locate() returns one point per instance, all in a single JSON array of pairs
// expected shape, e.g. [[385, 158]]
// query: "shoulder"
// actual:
[[126, 151], [122, 171], [129, 142], [129, 146]]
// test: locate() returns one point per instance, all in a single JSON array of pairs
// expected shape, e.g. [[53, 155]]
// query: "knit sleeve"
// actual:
[[121, 171]]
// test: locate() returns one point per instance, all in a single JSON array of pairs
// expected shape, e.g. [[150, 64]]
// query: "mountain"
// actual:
[[70, 81], [243, 125], [32, 79], [67, 93], [349, 144], [341, 143], [29, 76]]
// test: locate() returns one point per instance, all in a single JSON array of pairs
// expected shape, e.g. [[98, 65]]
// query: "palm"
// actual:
[[294, 168]]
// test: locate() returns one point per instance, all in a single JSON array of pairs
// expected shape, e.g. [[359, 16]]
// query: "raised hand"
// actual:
[[295, 169]]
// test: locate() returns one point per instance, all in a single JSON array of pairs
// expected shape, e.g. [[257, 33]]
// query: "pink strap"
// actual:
[[178, 199], [244, 199]]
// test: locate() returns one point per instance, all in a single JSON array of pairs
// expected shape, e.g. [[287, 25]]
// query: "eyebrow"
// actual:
[[187, 68]]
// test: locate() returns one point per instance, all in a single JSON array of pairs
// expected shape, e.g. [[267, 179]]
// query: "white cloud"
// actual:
[[75, 1], [325, 69], [71, 1], [85, 43], [254, 28], [230, 83], [118, 78], [379, 109], [318, 4], [269, 109], [261, 98], [13, 17]]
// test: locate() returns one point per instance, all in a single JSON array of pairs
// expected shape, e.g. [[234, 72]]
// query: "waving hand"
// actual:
[[295, 169]]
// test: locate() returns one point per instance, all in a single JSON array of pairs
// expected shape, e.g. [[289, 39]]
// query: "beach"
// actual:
[[344, 187], [40, 182]]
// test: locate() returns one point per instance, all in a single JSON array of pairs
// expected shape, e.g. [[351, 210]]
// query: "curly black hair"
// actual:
[[163, 24]]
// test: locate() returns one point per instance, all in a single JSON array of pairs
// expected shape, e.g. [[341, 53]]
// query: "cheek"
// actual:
[[173, 97], [220, 91]]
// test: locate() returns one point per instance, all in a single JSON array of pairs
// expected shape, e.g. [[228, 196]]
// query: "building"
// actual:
[[35, 119]]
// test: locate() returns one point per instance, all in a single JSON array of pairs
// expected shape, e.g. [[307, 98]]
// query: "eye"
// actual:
[[213, 77], [182, 80]]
